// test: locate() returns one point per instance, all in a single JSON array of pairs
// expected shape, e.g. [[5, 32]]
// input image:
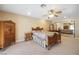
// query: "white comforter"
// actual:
[[42, 37]]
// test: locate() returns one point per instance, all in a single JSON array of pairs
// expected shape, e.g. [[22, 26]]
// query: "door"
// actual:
[[12, 32], [7, 40]]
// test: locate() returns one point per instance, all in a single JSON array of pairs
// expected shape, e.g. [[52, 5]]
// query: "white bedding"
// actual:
[[42, 37]]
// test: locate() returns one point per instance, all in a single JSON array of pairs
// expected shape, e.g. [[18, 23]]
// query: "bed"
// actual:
[[45, 39]]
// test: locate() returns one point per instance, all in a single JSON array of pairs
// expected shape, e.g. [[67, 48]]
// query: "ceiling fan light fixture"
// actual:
[[50, 16], [65, 17], [43, 5]]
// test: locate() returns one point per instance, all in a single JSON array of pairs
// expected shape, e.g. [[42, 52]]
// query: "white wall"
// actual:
[[23, 23]]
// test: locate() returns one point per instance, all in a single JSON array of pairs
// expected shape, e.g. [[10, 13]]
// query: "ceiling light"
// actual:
[[28, 13], [50, 16], [43, 5], [65, 17]]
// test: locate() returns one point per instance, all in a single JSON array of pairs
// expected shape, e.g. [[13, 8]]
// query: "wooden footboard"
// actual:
[[56, 38]]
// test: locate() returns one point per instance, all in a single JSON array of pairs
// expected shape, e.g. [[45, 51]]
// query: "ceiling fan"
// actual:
[[53, 13]]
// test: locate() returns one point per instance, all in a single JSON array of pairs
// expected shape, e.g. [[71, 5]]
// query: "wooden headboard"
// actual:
[[37, 29]]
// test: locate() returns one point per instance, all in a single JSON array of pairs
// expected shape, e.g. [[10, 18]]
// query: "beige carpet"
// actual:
[[68, 46]]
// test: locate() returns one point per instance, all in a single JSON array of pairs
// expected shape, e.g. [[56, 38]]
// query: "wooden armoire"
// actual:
[[7, 33]]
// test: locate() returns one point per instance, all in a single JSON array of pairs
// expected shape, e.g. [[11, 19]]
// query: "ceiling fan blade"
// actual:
[[44, 15], [51, 11], [59, 12], [56, 15]]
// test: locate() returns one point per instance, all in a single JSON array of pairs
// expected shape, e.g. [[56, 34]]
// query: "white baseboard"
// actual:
[[20, 40]]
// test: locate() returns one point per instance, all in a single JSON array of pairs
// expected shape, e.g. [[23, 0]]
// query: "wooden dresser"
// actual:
[[7, 33]]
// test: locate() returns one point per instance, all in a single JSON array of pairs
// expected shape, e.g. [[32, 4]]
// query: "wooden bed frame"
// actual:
[[56, 38], [37, 29]]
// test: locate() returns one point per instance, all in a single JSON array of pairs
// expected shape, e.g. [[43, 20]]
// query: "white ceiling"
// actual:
[[34, 10]]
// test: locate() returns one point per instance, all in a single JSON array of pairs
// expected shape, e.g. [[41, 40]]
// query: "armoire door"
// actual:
[[12, 32], [7, 39]]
